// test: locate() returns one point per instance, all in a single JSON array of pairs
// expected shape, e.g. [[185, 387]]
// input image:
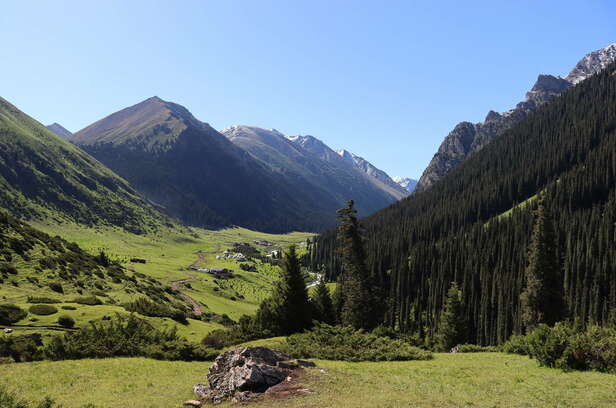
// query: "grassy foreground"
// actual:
[[462, 380]]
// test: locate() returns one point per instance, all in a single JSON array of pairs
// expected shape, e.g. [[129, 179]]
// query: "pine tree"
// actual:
[[542, 298], [358, 307], [452, 328], [288, 310], [322, 304]]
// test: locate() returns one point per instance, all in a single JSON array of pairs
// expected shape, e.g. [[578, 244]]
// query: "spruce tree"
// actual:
[[358, 307], [452, 327], [542, 298], [322, 304], [288, 310]]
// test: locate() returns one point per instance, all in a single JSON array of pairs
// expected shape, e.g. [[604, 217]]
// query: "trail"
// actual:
[[178, 285]]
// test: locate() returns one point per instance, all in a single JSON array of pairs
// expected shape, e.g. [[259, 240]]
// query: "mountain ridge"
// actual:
[[467, 138]]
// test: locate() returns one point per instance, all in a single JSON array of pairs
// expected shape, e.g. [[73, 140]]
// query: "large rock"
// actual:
[[241, 373]]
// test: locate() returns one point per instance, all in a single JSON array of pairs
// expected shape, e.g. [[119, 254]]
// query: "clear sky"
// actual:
[[386, 80]]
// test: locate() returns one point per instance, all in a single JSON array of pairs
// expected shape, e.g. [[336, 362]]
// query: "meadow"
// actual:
[[450, 380]]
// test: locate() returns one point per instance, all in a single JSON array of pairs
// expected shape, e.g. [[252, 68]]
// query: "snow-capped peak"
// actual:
[[592, 63]]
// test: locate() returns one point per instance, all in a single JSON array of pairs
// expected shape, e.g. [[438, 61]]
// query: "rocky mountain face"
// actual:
[[347, 159], [59, 130], [309, 164], [368, 168], [406, 183], [44, 177], [467, 138], [196, 174]]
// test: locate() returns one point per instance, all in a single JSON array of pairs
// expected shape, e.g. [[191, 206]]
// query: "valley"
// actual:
[[178, 250]]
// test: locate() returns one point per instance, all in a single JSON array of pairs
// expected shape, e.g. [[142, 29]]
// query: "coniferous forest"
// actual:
[[474, 227]]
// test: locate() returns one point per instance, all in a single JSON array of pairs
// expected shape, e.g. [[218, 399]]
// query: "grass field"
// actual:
[[450, 380]]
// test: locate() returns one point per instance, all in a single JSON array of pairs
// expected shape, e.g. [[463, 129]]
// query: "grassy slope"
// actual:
[[462, 380], [44, 177]]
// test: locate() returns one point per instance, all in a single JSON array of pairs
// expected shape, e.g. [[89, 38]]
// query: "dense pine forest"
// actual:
[[474, 227]]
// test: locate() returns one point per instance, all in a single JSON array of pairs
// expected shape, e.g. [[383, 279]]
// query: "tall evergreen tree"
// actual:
[[323, 308], [358, 307], [288, 310], [542, 298], [452, 327]]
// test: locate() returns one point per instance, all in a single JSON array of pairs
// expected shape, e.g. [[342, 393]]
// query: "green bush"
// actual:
[[20, 348], [146, 307], [10, 314], [564, 347], [125, 336], [34, 299], [43, 310], [88, 300], [66, 321], [56, 287], [345, 343], [516, 344], [474, 348]]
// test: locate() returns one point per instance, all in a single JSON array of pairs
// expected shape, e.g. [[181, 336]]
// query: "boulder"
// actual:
[[242, 373]]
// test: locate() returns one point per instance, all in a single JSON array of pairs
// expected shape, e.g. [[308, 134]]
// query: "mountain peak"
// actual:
[[151, 122], [59, 130], [592, 63]]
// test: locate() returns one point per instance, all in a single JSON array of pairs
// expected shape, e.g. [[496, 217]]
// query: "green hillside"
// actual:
[[45, 177]]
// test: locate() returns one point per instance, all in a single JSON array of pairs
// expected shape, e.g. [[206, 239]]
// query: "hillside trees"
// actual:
[[452, 327], [288, 310], [323, 308], [357, 304], [542, 298], [475, 226]]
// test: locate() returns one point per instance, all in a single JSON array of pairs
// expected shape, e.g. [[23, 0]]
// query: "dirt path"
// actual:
[[178, 285]]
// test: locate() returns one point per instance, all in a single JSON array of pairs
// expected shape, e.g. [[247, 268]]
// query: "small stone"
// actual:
[[192, 403], [305, 363]]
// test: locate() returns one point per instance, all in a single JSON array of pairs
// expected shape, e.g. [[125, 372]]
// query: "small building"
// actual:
[[8, 331], [263, 243]]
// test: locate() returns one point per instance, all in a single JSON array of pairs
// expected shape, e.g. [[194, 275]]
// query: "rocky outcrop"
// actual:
[[467, 138], [243, 373]]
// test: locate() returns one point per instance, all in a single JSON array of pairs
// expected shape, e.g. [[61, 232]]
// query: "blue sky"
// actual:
[[384, 79]]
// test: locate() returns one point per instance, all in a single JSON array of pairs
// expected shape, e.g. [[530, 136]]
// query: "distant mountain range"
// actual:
[[246, 176], [467, 138]]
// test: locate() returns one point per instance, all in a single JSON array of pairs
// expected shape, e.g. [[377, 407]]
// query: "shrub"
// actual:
[[474, 348], [56, 287], [148, 308], [34, 299], [68, 307], [125, 337], [20, 348], [43, 310], [66, 321], [345, 343], [516, 344], [8, 269], [10, 314], [563, 347], [88, 300]]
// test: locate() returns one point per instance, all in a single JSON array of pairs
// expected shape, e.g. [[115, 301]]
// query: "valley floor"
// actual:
[[450, 380]]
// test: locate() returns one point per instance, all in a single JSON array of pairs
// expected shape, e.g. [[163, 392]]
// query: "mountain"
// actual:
[[318, 172], [196, 174], [468, 138], [59, 130], [474, 226], [44, 177], [406, 183], [368, 168], [376, 177]]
